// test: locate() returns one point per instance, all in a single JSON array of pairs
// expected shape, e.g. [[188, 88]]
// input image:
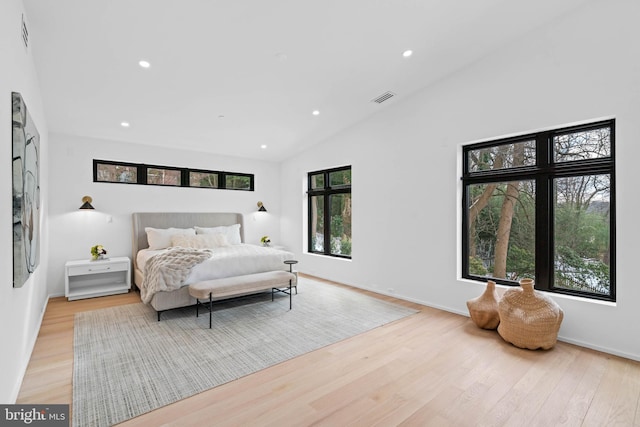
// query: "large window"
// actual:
[[330, 212], [137, 173], [543, 206]]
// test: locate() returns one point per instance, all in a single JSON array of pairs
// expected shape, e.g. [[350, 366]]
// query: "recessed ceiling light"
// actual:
[[124, 124], [315, 112], [144, 64], [263, 146], [407, 53]]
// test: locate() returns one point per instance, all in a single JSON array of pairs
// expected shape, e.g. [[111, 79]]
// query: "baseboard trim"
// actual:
[[600, 348], [32, 345]]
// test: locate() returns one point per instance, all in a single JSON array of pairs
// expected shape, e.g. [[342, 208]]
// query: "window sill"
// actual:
[[327, 256], [553, 295]]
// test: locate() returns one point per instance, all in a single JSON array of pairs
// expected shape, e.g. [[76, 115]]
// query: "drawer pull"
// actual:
[[100, 269]]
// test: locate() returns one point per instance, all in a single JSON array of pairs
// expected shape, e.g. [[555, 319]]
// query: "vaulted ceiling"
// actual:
[[229, 77]]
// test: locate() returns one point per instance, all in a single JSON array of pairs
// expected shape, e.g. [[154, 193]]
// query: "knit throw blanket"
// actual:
[[169, 270]]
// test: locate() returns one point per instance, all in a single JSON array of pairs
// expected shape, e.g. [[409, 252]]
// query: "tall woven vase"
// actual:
[[484, 309], [529, 319]]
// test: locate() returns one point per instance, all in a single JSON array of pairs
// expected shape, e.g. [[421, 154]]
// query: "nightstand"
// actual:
[[88, 279]]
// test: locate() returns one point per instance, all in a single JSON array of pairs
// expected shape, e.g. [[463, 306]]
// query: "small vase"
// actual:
[[528, 318], [484, 309]]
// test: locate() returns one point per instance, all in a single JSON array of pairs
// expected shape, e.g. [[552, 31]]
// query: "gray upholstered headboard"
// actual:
[[178, 220]]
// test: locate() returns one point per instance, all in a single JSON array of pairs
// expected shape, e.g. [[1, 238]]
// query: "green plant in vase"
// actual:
[[98, 252]]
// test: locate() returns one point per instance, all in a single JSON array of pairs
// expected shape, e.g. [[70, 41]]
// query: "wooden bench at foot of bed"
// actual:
[[277, 281]]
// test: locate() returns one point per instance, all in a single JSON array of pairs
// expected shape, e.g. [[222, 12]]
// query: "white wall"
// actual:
[[21, 309], [73, 232], [406, 187]]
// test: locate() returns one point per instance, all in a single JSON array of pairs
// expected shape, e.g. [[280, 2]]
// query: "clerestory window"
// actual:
[[143, 174]]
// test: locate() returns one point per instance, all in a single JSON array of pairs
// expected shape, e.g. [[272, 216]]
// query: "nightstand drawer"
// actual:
[[97, 267]]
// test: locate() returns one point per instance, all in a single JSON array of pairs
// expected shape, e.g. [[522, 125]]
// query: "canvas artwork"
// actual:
[[26, 192]]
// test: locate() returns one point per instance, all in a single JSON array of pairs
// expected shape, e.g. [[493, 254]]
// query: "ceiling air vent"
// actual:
[[384, 97], [25, 33]]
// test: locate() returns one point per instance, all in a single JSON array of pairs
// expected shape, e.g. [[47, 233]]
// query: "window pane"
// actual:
[[501, 226], [203, 179], [238, 182], [117, 173], [317, 224], [590, 144], [317, 181], [502, 156], [340, 178], [581, 233], [163, 176], [340, 224]]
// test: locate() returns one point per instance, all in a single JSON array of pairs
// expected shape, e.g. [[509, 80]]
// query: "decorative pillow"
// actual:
[[200, 241], [160, 238], [232, 232]]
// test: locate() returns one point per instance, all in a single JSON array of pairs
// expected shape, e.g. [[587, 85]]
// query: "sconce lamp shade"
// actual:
[[261, 207], [86, 203]]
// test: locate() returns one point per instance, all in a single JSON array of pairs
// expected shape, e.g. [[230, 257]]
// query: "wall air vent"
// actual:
[[25, 33], [384, 97]]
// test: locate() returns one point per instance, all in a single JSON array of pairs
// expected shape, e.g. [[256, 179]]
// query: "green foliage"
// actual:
[[576, 272], [238, 182], [209, 180], [341, 246], [585, 233], [582, 248], [340, 178], [345, 246], [476, 267], [336, 225], [521, 262]]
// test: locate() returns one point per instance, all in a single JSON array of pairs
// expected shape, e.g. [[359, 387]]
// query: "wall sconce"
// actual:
[[86, 203], [261, 207]]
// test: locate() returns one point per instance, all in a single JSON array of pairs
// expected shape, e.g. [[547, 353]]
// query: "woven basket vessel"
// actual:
[[484, 309], [529, 319]]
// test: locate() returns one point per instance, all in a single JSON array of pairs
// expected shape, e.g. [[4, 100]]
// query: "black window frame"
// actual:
[[142, 170], [326, 192], [543, 173]]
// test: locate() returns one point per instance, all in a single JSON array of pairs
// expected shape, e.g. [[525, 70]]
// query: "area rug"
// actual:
[[126, 363]]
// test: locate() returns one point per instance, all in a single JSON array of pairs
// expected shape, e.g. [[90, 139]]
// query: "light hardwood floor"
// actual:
[[432, 368]]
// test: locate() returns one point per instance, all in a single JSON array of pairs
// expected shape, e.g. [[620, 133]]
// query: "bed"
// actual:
[[232, 259]]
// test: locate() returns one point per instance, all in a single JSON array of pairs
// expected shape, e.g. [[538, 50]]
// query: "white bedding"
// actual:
[[227, 261]]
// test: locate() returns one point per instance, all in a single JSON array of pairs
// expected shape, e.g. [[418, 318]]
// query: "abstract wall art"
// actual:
[[26, 192]]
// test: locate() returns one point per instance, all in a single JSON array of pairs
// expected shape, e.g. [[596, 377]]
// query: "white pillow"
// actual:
[[160, 238], [232, 232], [201, 241]]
